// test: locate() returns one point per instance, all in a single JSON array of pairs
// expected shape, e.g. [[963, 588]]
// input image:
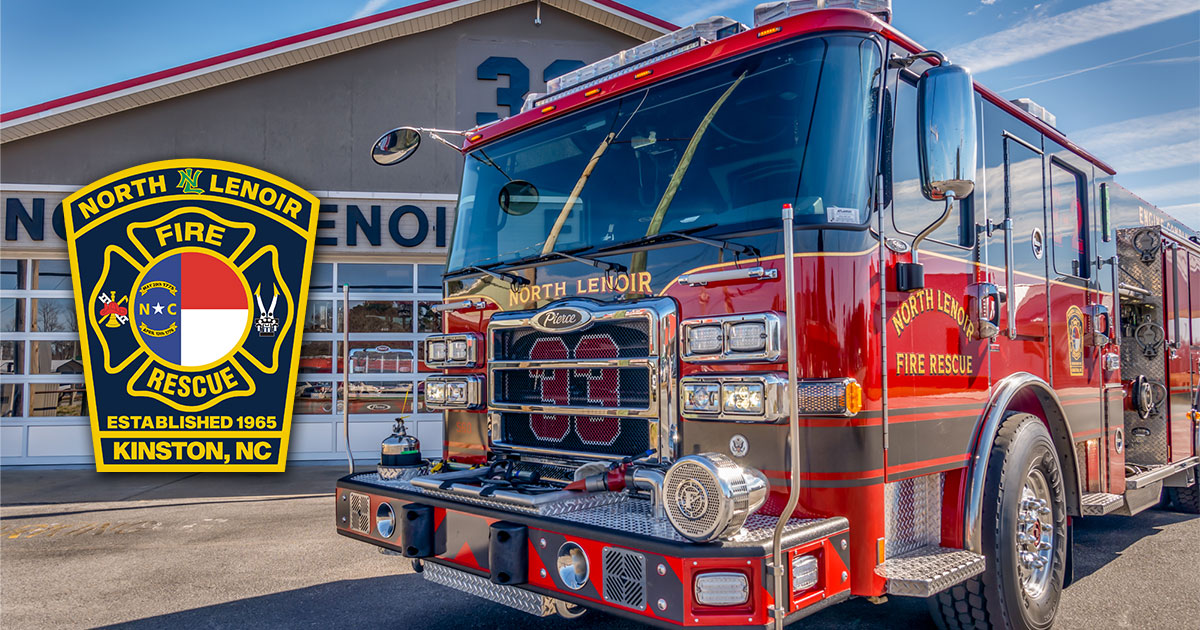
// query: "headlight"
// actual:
[[705, 340], [743, 398], [745, 338], [702, 397], [457, 350], [722, 589], [755, 398], [748, 337], [454, 392], [435, 392]]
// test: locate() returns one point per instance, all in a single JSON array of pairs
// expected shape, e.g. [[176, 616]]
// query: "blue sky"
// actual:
[[1122, 76]]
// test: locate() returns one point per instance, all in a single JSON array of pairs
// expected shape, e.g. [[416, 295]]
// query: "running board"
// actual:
[[929, 570], [1100, 503], [1161, 472]]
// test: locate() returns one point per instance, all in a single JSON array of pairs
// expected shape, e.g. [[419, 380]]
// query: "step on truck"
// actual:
[[746, 321]]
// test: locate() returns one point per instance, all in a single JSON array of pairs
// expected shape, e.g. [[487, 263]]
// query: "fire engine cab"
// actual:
[[748, 320]]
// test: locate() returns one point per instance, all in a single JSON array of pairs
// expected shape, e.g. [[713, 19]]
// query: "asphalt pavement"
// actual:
[[80, 549]]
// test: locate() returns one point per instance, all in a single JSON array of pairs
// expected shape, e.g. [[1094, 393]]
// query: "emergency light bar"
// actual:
[[768, 12], [632, 59]]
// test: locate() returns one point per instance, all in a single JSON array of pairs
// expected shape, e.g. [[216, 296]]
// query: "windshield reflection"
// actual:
[[726, 146]]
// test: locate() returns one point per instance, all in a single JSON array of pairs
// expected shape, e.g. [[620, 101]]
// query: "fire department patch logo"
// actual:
[[191, 278], [1075, 340]]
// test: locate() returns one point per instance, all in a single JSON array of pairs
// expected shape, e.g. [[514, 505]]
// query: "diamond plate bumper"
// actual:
[[929, 570], [511, 596]]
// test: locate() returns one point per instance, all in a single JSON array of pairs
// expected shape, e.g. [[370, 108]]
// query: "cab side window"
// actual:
[[1069, 216]]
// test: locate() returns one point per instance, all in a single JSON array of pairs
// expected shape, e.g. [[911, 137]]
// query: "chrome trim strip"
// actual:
[[661, 316], [751, 273], [771, 353], [550, 364]]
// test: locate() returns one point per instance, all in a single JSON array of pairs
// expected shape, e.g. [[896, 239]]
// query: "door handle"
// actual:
[[983, 301]]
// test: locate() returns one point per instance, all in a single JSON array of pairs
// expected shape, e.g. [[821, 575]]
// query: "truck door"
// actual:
[[1025, 323], [1075, 363], [1180, 363]]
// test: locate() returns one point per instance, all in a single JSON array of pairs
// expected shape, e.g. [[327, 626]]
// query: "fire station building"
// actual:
[[307, 108]]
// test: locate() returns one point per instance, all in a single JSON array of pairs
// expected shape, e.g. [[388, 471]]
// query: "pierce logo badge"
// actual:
[[561, 319], [191, 280]]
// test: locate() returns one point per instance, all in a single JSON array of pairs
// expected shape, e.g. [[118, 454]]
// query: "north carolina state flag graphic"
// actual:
[[191, 309]]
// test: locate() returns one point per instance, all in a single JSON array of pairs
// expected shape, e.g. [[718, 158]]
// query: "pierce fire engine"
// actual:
[[745, 321]]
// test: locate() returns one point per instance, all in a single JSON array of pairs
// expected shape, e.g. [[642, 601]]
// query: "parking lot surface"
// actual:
[[81, 549]]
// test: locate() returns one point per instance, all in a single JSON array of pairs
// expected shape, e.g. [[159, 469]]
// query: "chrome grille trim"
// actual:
[[661, 360]]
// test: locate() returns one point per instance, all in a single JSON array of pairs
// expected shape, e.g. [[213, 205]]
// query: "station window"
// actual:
[[41, 363], [1069, 215]]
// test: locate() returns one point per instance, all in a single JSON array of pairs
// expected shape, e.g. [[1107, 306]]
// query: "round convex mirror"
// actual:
[[518, 197], [396, 146]]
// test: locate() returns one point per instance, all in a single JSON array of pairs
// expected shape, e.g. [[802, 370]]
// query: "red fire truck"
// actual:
[[746, 321]]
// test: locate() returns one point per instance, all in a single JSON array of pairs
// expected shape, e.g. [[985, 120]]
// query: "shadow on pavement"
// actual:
[[1100, 540], [402, 601], [42, 486]]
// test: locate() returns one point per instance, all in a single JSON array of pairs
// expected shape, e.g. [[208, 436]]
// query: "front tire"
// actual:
[[1024, 537]]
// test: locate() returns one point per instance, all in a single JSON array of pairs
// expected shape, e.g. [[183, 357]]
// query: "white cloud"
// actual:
[[1109, 64], [369, 7], [706, 10], [989, 1], [1035, 37], [1189, 213], [1119, 140]]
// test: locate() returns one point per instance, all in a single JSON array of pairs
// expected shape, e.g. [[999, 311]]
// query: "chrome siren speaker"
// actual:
[[708, 496]]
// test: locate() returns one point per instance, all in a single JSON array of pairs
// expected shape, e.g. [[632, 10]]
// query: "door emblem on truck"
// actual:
[[561, 319], [1075, 340], [692, 499]]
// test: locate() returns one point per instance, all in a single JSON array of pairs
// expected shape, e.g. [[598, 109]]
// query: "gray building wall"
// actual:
[[314, 123]]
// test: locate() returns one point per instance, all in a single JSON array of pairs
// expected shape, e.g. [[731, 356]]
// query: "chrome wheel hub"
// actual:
[[1035, 535]]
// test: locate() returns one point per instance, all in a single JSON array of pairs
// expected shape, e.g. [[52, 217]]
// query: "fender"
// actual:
[[1008, 391]]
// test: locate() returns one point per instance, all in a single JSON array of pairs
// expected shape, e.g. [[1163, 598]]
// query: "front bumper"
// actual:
[[640, 567]]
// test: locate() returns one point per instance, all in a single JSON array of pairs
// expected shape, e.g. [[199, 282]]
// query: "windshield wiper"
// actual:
[[672, 236], [512, 279]]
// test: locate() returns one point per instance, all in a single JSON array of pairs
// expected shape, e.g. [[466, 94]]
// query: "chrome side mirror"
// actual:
[[396, 146], [946, 132]]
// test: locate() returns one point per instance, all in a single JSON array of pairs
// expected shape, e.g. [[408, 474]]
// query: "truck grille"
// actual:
[[593, 391], [583, 434]]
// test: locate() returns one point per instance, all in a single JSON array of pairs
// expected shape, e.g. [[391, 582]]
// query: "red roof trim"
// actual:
[[279, 43], [620, 8]]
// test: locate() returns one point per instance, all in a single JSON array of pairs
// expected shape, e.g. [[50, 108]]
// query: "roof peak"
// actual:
[[231, 66]]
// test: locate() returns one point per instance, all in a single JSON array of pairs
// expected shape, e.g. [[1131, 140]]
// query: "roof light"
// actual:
[[772, 11], [638, 57], [592, 92], [770, 31], [643, 74], [547, 109], [1037, 111]]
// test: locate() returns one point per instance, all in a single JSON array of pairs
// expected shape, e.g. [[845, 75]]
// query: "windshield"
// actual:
[[724, 147]]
